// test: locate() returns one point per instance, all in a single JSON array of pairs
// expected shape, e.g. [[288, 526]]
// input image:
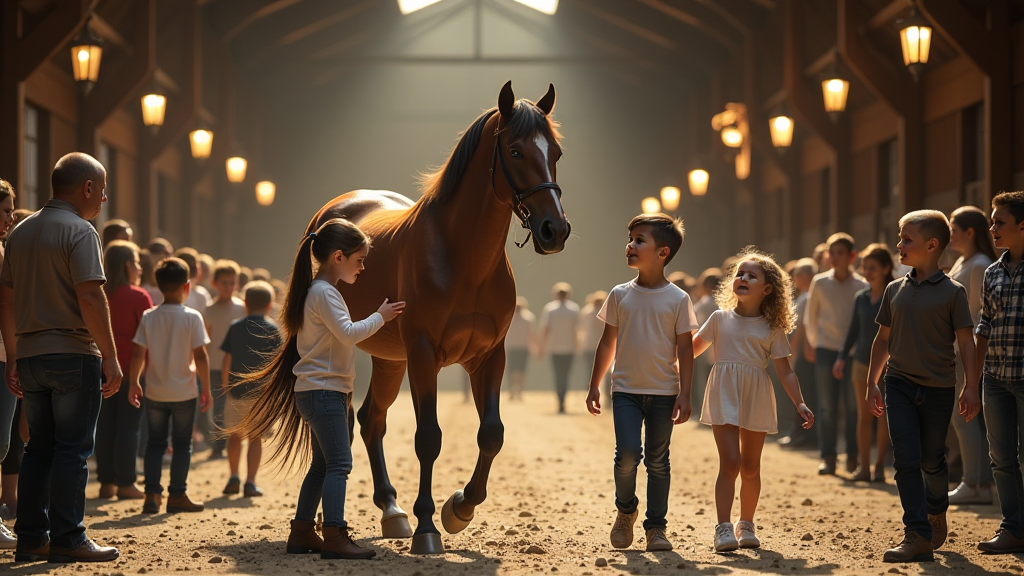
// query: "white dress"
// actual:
[[739, 389]]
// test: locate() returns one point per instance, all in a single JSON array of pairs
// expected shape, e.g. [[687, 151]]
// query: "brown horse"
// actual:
[[445, 256]]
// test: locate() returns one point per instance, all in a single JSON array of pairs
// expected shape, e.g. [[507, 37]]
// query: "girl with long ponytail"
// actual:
[[307, 385]]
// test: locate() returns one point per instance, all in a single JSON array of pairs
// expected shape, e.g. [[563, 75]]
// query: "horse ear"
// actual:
[[547, 103], [506, 100]]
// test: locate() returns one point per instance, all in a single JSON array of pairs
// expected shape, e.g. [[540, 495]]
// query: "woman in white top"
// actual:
[[590, 330], [308, 384], [970, 237]]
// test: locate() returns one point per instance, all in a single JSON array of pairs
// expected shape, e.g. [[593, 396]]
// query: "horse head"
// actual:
[[526, 149]]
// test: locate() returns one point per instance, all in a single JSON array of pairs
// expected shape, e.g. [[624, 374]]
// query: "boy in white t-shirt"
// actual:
[[648, 327], [175, 338]]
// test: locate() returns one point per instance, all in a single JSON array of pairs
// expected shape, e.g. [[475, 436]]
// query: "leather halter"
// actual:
[[518, 195]]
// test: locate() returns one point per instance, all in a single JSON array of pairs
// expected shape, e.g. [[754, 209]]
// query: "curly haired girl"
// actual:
[[748, 333]]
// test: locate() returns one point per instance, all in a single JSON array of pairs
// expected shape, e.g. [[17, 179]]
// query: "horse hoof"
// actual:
[[427, 543], [449, 519], [396, 525]]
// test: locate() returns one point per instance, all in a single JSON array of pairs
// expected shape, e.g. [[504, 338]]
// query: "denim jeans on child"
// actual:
[[117, 439], [833, 394], [326, 412], [61, 402], [918, 422], [654, 414], [178, 419], [1004, 415]]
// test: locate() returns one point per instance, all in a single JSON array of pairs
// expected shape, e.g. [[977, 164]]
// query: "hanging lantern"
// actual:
[[153, 107], [916, 42], [698, 182], [265, 191], [236, 166], [732, 137], [201, 142], [650, 205], [86, 53], [781, 128], [670, 197], [742, 166], [834, 90]]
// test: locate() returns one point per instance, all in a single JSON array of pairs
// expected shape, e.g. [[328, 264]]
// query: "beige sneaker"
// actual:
[[746, 535], [622, 530], [725, 538], [656, 540]]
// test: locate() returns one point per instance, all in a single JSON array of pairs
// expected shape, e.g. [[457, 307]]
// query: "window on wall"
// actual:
[[30, 196], [973, 130], [107, 156], [888, 191]]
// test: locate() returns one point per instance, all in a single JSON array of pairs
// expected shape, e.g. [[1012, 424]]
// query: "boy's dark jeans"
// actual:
[[178, 419], [117, 439], [61, 402], [654, 414], [1004, 415], [833, 394], [918, 422]]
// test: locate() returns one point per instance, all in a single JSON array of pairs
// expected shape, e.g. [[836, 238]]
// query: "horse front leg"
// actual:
[[423, 367], [458, 510], [384, 386]]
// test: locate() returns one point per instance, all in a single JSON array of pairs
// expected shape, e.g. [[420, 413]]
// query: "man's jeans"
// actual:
[[326, 412], [563, 365], [654, 413], [177, 418], [1004, 415], [833, 394], [918, 422], [61, 402]]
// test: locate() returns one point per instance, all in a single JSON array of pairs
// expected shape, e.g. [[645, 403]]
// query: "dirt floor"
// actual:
[[549, 511]]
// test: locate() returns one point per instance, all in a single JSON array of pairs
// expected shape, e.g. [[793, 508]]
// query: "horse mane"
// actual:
[[439, 185]]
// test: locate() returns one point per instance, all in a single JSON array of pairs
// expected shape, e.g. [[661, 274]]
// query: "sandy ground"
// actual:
[[550, 493]]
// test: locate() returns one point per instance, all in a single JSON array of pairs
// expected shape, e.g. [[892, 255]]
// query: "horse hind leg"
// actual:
[[385, 383], [458, 510]]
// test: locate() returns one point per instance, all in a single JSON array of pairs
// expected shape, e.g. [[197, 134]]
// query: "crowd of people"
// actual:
[[887, 350]]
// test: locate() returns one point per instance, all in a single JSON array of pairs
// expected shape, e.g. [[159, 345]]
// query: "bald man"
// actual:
[[55, 321]]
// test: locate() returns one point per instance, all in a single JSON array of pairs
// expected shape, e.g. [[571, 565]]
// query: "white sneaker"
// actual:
[[8, 541], [967, 494], [725, 538], [622, 530], [746, 535]]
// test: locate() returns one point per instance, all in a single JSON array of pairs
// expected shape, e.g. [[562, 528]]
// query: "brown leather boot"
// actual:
[[130, 492], [87, 551], [1002, 543], [337, 545], [914, 548], [182, 504], [108, 490], [939, 530], [152, 503], [303, 538]]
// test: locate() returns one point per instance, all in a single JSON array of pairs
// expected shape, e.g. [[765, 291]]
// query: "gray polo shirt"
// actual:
[[923, 318], [48, 254]]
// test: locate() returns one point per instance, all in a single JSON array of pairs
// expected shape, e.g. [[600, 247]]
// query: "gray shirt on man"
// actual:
[[48, 254], [923, 318]]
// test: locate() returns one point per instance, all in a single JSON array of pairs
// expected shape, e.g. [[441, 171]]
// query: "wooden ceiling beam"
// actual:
[[691, 20], [52, 34], [269, 9], [888, 13], [960, 28], [627, 25]]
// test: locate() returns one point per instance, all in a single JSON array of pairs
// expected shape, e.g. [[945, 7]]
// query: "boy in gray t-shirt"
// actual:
[[921, 316]]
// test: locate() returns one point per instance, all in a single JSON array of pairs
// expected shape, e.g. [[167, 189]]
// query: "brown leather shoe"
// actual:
[[914, 548], [32, 555], [152, 503], [130, 492], [939, 530], [108, 490], [337, 545], [88, 551], [182, 504], [1002, 543], [303, 538], [827, 466]]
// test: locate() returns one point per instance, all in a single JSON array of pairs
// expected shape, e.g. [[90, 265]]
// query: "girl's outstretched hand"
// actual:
[[390, 310], [807, 415]]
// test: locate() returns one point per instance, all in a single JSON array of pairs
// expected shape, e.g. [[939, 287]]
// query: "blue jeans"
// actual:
[[61, 402], [918, 422], [804, 370], [562, 364], [654, 413], [326, 412], [834, 395], [177, 418], [1004, 415], [117, 440], [8, 402]]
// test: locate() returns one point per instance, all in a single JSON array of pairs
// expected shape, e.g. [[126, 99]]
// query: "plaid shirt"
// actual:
[[1002, 320]]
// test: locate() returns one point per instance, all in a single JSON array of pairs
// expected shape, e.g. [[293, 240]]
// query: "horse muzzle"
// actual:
[[550, 234]]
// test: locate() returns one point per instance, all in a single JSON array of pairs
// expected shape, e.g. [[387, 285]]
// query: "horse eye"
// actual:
[[514, 153]]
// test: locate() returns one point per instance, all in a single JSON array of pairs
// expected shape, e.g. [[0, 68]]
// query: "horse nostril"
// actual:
[[546, 232]]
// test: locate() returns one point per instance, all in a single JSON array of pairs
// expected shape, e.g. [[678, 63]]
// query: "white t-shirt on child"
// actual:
[[645, 350], [170, 332]]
